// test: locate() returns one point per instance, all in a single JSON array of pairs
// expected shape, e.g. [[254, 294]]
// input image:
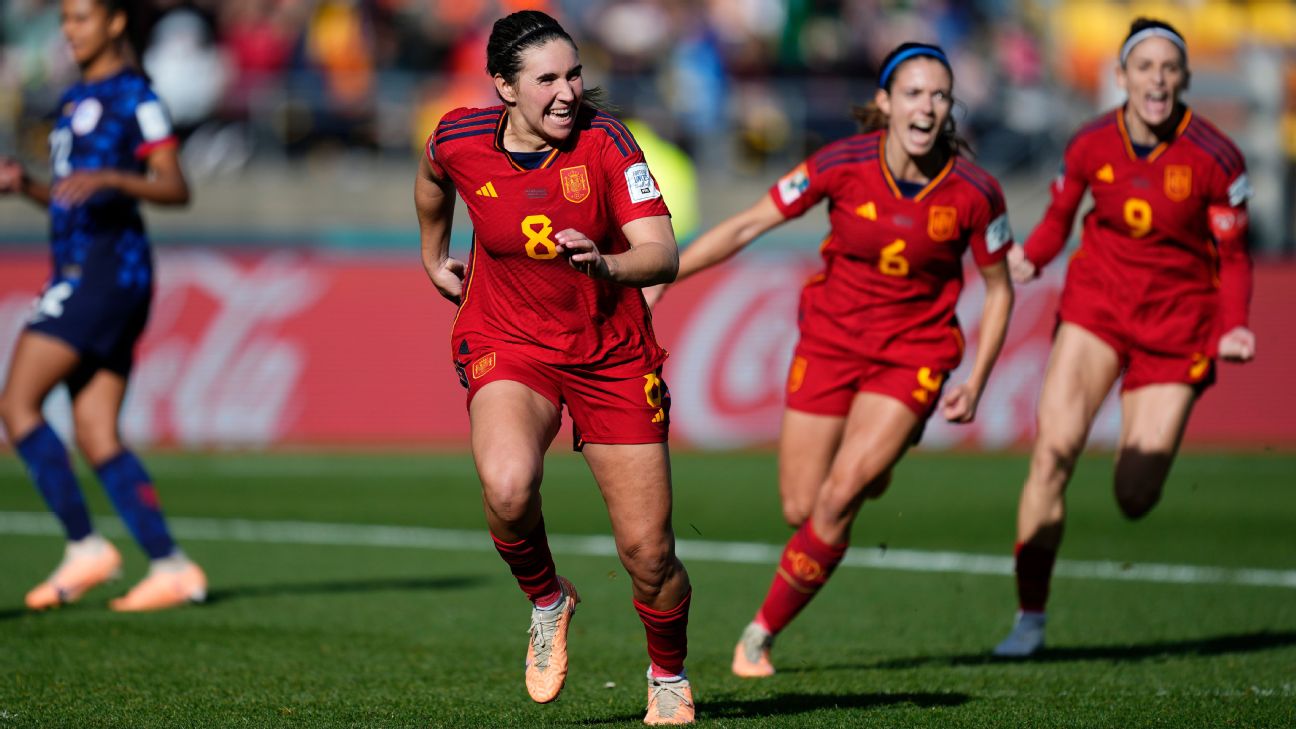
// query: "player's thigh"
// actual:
[[39, 362], [878, 431], [807, 444], [96, 408], [1153, 417], [635, 481], [512, 426], [1081, 370]]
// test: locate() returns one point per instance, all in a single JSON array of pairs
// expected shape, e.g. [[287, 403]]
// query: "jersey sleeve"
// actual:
[[991, 234], [1228, 221], [632, 191], [799, 190], [152, 124], [1049, 237]]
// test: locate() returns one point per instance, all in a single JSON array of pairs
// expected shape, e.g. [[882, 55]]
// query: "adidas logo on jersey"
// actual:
[[487, 190]]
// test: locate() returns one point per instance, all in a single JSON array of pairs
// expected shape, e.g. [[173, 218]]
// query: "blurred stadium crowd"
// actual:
[[744, 87]]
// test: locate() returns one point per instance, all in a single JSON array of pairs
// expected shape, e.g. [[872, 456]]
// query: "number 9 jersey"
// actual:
[[1163, 265], [519, 292]]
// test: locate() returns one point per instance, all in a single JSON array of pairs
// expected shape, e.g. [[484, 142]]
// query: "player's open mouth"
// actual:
[[921, 131], [1158, 103], [562, 116]]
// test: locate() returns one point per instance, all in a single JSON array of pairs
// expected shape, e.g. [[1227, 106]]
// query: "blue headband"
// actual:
[[905, 55]]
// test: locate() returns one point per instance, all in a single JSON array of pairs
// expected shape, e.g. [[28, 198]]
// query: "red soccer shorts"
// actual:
[[1154, 347], [825, 384], [602, 409]]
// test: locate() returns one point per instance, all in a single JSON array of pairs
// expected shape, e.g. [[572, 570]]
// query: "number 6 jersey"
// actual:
[[519, 292]]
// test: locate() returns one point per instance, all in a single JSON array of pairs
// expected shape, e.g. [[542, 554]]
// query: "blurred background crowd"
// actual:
[[729, 93]]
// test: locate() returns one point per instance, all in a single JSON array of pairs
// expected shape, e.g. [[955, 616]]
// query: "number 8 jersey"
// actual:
[[519, 292]]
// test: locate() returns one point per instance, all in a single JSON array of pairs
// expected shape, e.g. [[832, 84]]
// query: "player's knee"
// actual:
[[12, 412], [1054, 460], [796, 511], [509, 491], [649, 561]]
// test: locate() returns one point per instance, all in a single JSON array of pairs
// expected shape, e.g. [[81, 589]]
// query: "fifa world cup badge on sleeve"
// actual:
[[639, 183], [998, 233], [793, 184]]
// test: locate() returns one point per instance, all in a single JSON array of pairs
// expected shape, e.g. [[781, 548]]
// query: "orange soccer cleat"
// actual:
[[669, 702], [546, 661], [751, 655], [171, 582], [86, 563]]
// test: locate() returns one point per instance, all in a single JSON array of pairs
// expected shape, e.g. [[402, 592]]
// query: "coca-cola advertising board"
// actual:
[[296, 348]]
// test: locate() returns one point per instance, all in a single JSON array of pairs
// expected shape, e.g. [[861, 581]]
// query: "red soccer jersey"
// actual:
[[518, 291], [1148, 244], [893, 265]]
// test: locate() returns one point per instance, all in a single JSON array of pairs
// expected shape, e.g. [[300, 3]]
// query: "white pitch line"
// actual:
[[908, 560]]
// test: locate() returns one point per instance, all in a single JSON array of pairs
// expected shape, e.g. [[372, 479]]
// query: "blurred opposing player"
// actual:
[[111, 147], [568, 225], [1158, 290], [879, 334]]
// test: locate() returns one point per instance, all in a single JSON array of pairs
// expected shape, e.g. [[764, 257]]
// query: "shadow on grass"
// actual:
[[343, 587], [802, 703], [1202, 647]]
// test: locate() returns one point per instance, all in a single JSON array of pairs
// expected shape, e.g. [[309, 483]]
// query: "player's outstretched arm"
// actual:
[[163, 183], [960, 404], [14, 181], [653, 257], [723, 241], [434, 205]]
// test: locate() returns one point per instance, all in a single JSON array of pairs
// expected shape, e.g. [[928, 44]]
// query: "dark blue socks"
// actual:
[[48, 465], [132, 493]]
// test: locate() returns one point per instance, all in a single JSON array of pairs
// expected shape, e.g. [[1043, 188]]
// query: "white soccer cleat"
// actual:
[[1026, 638]]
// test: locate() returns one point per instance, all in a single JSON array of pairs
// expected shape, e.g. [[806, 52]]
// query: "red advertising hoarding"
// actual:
[[274, 348]]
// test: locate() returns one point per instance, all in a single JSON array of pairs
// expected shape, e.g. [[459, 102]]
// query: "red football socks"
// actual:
[[806, 565], [1034, 571], [667, 632], [532, 565]]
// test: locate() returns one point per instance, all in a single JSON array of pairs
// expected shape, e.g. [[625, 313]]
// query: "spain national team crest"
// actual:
[[575, 183], [942, 223], [1178, 182]]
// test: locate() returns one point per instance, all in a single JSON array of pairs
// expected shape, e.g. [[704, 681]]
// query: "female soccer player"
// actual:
[[878, 330], [111, 147], [1158, 289], [568, 225]]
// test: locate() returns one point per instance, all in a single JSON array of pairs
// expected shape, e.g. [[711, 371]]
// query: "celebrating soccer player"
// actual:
[[878, 331], [1158, 289], [111, 147], [568, 225]]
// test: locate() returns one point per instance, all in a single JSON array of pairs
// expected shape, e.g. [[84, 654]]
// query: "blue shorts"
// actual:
[[98, 318]]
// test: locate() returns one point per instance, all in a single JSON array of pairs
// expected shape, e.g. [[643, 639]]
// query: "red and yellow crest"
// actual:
[[483, 365], [1178, 182], [804, 567], [942, 223], [575, 183]]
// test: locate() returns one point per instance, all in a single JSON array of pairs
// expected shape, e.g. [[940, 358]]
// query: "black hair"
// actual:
[[512, 35], [871, 117]]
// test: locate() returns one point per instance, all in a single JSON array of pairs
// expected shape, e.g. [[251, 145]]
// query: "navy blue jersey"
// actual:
[[112, 123]]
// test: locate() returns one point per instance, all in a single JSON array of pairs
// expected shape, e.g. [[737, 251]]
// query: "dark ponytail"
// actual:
[[871, 117]]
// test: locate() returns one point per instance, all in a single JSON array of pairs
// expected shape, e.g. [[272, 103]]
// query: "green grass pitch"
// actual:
[[301, 631]]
